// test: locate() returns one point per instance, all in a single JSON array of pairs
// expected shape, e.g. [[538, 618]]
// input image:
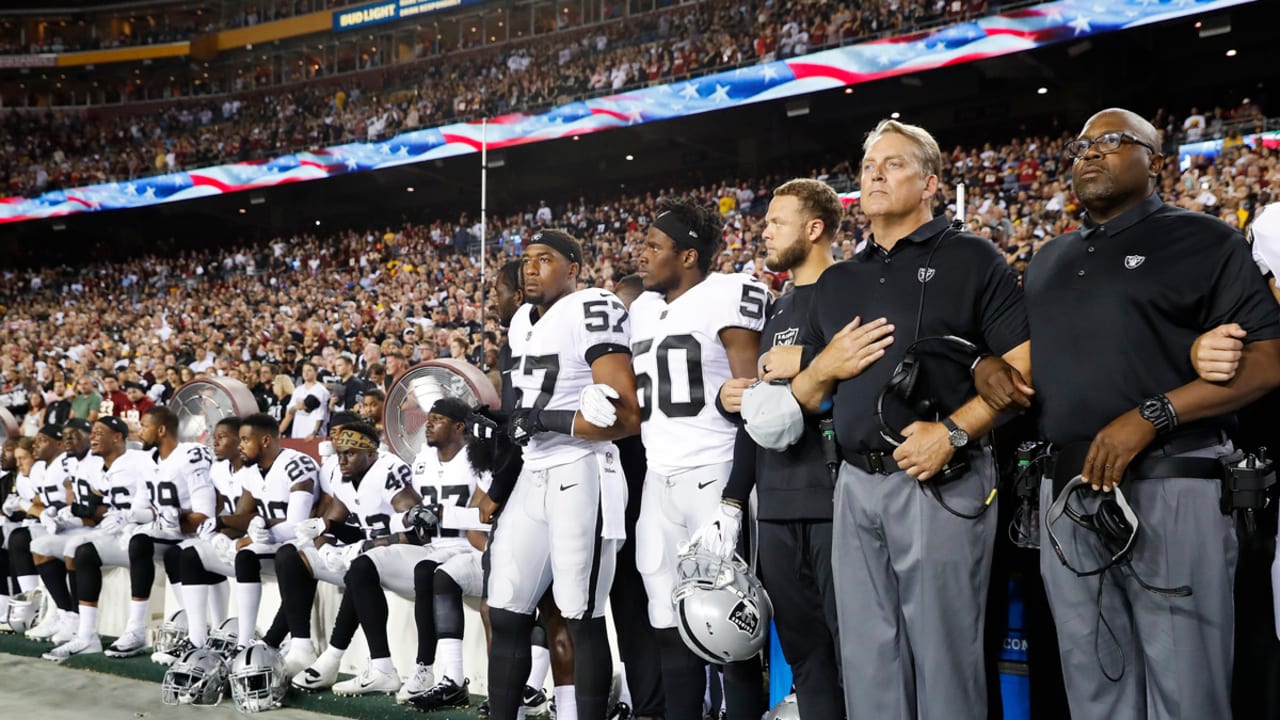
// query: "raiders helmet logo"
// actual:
[[745, 616], [924, 274], [786, 337], [1133, 261]]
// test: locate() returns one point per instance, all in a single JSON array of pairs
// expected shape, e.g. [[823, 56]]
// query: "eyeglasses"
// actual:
[[1106, 143]]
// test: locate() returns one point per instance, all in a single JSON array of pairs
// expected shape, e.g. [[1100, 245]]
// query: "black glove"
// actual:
[[479, 425], [423, 519], [525, 423]]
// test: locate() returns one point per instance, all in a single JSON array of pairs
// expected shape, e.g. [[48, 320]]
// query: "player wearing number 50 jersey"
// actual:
[[571, 353], [690, 332]]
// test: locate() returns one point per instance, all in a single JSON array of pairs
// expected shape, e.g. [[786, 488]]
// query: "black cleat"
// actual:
[[445, 694]]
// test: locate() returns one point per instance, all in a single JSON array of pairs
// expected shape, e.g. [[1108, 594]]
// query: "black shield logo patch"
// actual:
[[745, 616]]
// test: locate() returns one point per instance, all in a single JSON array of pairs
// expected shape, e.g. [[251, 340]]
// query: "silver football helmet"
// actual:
[[722, 610], [171, 632], [258, 682], [225, 638], [26, 610], [197, 678], [786, 709]]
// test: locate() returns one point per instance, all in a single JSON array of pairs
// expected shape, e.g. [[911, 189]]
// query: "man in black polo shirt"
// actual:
[[911, 576], [1133, 289], [794, 485]]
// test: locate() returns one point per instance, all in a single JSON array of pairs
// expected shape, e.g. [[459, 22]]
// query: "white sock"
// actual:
[[333, 654], [219, 597], [88, 622], [4, 604], [248, 597], [566, 702], [520, 713], [195, 601], [137, 615], [449, 657], [624, 692], [383, 665], [177, 596], [27, 583], [538, 668]]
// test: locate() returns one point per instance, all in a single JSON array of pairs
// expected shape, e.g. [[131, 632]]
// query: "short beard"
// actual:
[[789, 257]]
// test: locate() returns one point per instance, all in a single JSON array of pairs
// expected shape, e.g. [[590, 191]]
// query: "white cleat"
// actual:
[[76, 646], [302, 655], [127, 645], [48, 627], [422, 680], [322, 674], [69, 629], [369, 682]]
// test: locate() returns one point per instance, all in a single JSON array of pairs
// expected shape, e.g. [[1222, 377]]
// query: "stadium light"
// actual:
[[1231, 53], [631, 157], [895, 115], [1042, 91]]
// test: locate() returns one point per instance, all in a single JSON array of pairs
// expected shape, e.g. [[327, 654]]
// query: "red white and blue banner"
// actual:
[[965, 42]]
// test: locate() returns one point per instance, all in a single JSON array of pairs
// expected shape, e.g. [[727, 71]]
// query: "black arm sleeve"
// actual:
[[346, 533], [507, 463], [743, 475], [733, 417]]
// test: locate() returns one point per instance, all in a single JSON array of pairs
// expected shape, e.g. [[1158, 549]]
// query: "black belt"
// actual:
[[1159, 461], [878, 462]]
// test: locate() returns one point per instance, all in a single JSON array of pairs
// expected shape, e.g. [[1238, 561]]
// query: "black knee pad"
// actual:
[[142, 567], [87, 557], [510, 630], [447, 606], [142, 548], [20, 552], [248, 567], [538, 636], [173, 563], [362, 573], [190, 567], [424, 574]]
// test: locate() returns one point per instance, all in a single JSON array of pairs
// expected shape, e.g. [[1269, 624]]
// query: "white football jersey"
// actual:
[[552, 363], [128, 477], [680, 364], [370, 504], [87, 477], [447, 483], [228, 485], [182, 480], [31, 487], [54, 481], [271, 491]]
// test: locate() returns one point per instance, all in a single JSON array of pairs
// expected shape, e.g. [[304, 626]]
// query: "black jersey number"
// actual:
[[163, 494], [199, 454], [299, 468], [275, 510], [549, 366], [597, 315], [120, 498], [441, 495], [84, 492], [693, 368], [377, 525], [753, 302], [398, 477]]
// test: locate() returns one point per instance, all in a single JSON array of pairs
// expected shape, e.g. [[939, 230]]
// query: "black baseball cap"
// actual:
[[78, 424], [114, 424]]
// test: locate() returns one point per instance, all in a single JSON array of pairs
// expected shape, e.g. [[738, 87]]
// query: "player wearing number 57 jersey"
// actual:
[[690, 332], [571, 353]]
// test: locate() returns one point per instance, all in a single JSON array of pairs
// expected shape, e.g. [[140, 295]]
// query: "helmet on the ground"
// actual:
[[197, 678], [257, 678], [26, 610], [786, 709], [722, 610], [171, 632], [225, 638]]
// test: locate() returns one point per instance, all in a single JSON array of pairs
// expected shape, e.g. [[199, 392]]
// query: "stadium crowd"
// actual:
[[393, 296], [59, 149]]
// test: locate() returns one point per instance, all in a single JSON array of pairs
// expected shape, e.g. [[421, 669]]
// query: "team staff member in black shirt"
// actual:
[[911, 576], [1135, 286], [794, 486]]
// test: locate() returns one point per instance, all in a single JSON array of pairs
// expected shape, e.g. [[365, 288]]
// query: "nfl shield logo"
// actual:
[[1133, 261], [924, 274]]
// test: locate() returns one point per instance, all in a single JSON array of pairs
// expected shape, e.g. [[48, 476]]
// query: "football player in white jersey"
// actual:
[[38, 495], [691, 331], [166, 507], [378, 491], [206, 561], [564, 519], [278, 496], [61, 527], [123, 479]]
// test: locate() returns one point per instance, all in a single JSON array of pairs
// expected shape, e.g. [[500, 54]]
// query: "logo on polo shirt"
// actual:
[[786, 337], [924, 274], [1133, 261]]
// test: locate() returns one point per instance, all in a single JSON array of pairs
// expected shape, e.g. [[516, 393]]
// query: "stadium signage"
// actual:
[[29, 61], [377, 13]]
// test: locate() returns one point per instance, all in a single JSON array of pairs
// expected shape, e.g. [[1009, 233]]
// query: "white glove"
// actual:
[[326, 449], [309, 529], [113, 520], [334, 558], [720, 536], [67, 519], [223, 547], [207, 529], [12, 504], [141, 514], [49, 519], [258, 531], [167, 517], [593, 403]]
